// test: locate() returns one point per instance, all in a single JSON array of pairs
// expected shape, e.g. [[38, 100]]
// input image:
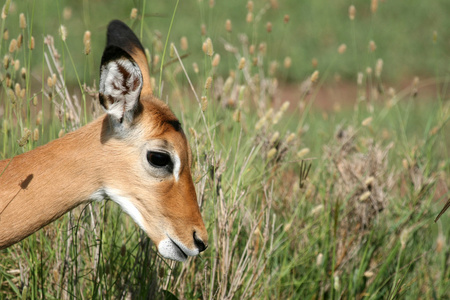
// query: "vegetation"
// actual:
[[298, 202]]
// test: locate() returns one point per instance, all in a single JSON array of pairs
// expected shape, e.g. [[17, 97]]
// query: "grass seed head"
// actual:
[[241, 63], [13, 46], [285, 106], [228, 84], [49, 82], [260, 123], [314, 76], [204, 102], [54, 79], [314, 62], [251, 49], [379, 67], [87, 42], [11, 96], [228, 26], [209, 47], [5, 9], [249, 17], [271, 154], [16, 65], [17, 89], [359, 78], [287, 62], [269, 27], [39, 118], [67, 13], [364, 196], [216, 60], [63, 32], [319, 259], [195, 67], [184, 44], [342, 48], [172, 50], [22, 21], [337, 283], [274, 137], [36, 135], [61, 133], [6, 61], [237, 116], [277, 117], [351, 12], [286, 19], [19, 41], [32, 43], [203, 29], [374, 6], [23, 73], [250, 6], [6, 34], [302, 152], [367, 121], [208, 83], [372, 46], [290, 138], [25, 137], [134, 13]]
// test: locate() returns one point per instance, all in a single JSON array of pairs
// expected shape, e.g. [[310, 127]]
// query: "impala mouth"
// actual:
[[173, 249], [179, 250]]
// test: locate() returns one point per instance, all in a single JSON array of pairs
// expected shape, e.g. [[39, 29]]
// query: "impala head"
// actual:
[[149, 156]]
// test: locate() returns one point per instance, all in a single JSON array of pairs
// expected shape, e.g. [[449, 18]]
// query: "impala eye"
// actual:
[[160, 160]]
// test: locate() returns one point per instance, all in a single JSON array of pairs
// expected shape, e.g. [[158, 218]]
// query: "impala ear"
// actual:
[[120, 84]]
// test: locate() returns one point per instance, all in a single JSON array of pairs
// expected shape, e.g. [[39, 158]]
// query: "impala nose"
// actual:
[[199, 243]]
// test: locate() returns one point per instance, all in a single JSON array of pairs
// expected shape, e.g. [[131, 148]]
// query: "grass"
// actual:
[[359, 226]]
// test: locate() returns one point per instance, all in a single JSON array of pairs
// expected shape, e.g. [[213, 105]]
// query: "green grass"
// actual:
[[272, 233]]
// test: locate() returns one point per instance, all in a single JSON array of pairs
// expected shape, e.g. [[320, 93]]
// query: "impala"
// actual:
[[136, 155]]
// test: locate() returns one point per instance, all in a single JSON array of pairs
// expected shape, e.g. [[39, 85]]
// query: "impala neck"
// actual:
[[39, 186]]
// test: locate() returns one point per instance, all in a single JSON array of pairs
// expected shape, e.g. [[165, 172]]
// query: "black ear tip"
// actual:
[[115, 25], [120, 35]]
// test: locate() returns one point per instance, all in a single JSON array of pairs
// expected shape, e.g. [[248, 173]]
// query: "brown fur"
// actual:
[[39, 186]]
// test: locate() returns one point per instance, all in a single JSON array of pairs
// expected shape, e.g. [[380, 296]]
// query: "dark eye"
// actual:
[[159, 160]]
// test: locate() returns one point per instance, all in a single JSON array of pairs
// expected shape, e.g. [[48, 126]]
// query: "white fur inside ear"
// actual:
[[121, 82]]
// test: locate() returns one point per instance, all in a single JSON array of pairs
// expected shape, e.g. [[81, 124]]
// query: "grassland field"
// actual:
[[356, 92]]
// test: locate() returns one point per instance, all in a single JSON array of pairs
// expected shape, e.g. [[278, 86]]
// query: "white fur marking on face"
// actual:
[[126, 95], [172, 249], [126, 205], [176, 167]]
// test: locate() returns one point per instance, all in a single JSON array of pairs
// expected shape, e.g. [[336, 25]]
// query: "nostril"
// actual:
[[199, 243]]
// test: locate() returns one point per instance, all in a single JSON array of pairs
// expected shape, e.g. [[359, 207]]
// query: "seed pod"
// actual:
[[351, 12], [22, 21], [134, 13], [241, 63], [204, 103], [32, 43], [208, 83], [228, 26], [184, 45]]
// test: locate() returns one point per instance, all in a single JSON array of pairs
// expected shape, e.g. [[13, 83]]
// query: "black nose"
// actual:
[[199, 243]]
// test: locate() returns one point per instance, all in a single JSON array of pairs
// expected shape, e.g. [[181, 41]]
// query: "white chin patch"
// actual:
[[175, 250], [126, 205]]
